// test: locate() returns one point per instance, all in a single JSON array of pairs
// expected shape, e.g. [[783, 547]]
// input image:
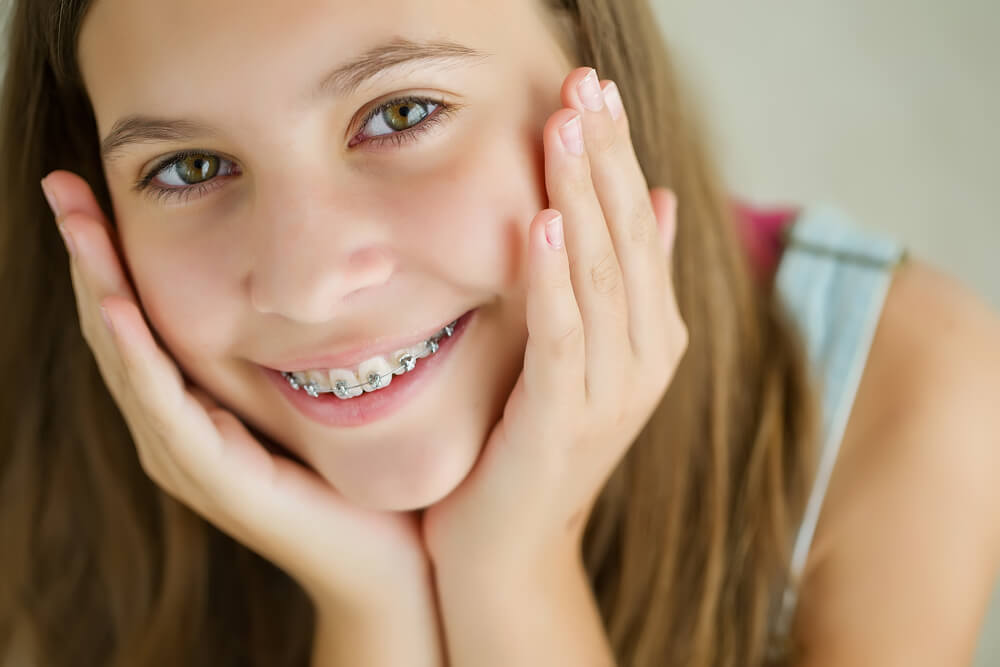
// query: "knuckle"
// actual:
[[566, 342], [642, 225], [605, 275]]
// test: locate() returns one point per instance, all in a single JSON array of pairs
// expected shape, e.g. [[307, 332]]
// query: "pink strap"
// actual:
[[761, 229]]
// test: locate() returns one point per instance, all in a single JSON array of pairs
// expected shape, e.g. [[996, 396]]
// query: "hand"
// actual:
[[345, 556], [604, 340]]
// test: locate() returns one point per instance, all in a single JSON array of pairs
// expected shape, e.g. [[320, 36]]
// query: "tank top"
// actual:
[[832, 277]]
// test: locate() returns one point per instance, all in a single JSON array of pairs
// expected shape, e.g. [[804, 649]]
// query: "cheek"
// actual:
[[469, 211], [183, 292]]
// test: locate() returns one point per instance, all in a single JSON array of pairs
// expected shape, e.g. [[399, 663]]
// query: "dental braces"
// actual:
[[407, 362]]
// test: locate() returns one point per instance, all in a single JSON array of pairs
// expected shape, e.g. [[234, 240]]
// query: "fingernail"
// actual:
[[51, 199], [589, 90], [614, 100], [68, 240], [572, 136], [554, 232]]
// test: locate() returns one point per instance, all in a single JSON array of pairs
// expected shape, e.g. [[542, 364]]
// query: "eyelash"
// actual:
[[145, 184]]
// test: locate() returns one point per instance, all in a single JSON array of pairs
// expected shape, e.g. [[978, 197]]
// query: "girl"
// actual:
[[374, 347]]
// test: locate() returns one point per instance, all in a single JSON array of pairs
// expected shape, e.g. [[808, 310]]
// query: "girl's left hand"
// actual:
[[605, 337]]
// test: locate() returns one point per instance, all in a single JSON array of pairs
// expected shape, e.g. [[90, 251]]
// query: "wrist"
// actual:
[[369, 591], [394, 621], [515, 564], [538, 614], [401, 627], [359, 640]]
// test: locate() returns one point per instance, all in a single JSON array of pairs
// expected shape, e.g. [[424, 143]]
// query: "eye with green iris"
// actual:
[[186, 169], [193, 169], [398, 116]]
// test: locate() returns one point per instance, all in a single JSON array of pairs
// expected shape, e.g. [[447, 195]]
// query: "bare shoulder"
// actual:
[[908, 542]]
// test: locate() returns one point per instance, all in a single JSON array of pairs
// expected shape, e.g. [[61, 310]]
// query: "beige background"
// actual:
[[887, 109]]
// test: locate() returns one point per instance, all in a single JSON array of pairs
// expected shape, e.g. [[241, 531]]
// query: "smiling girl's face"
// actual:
[[313, 213]]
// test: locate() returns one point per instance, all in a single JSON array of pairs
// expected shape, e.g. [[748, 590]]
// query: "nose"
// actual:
[[313, 250]]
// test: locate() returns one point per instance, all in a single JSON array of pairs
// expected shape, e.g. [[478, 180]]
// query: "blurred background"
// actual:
[[885, 109], [888, 110]]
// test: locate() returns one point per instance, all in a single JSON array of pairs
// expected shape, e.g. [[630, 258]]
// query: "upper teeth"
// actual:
[[372, 374]]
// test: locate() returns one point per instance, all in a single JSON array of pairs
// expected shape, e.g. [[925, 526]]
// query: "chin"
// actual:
[[401, 476]]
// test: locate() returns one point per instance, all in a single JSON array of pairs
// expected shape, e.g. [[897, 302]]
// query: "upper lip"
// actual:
[[374, 347]]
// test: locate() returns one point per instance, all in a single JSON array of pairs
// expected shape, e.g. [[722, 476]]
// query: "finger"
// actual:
[[554, 356], [624, 195], [177, 420], [96, 274], [92, 330], [73, 210], [92, 267], [97, 260], [72, 194], [95, 239], [594, 268]]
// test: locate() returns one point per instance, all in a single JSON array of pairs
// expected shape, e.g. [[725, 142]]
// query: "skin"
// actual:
[[454, 220], [907, 549]]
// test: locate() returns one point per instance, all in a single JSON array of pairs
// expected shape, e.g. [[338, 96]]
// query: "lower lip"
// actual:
[[374, 405]]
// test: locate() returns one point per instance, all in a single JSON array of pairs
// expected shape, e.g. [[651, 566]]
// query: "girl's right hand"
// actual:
[[351, 560]]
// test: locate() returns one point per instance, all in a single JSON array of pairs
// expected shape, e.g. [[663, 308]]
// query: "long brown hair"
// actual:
[[687, 547]]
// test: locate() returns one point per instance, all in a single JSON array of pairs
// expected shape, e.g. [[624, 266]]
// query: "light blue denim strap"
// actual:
[[833, 278]]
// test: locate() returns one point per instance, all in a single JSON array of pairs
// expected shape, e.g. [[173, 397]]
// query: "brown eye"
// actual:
[[404, 115], [398, 116], [187, 169], [194, 169]]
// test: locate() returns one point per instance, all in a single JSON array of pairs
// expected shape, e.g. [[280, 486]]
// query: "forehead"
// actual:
[[142, 55]]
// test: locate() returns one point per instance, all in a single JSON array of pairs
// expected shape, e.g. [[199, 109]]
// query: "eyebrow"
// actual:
[[342, 81]]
